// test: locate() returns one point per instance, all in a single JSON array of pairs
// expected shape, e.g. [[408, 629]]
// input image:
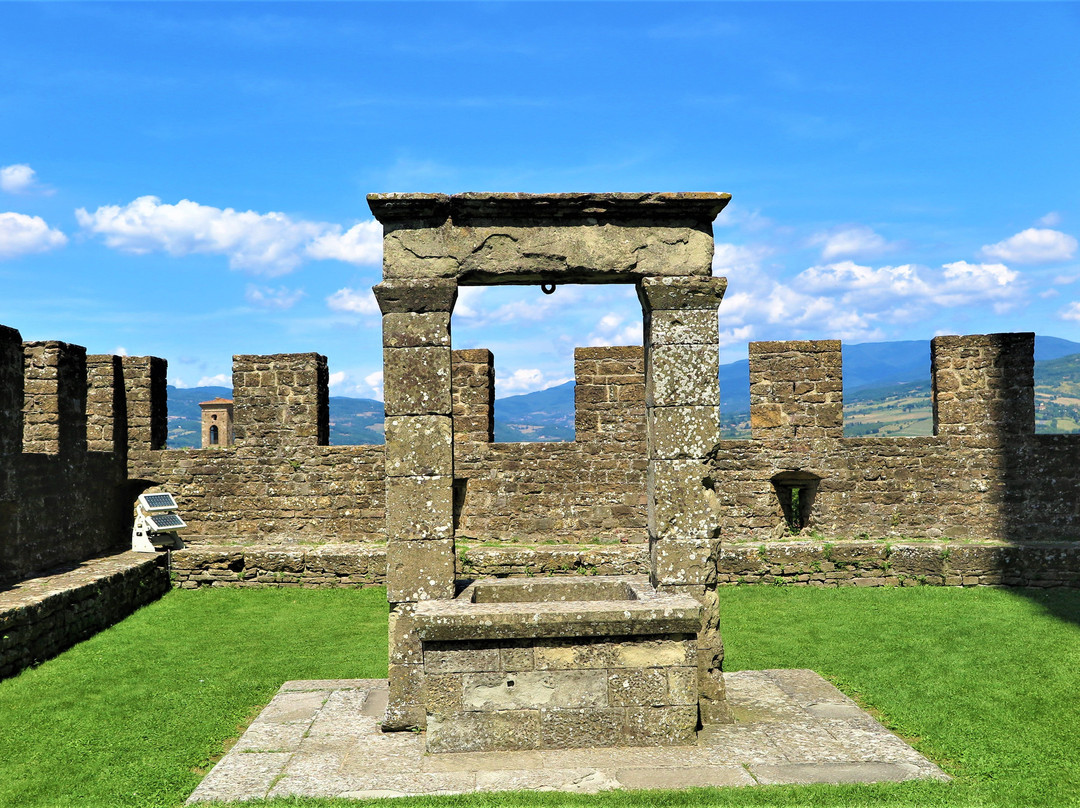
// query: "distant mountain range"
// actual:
[[886, 392]]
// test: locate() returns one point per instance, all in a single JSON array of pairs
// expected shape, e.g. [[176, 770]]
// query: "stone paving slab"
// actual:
[[322, 738]]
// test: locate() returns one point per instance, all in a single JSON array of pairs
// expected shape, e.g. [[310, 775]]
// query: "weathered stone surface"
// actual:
[[416, 329], [419, 445], [405, 296], [281, 400], [405, 704], [681, 561], [682, 432], [534, 689], [630, 687], [682, 327], [419, 570], [404, 644], [493, 238], [487, 731], [462, 657], [442, 694], [416, 381], [681, 293], [681, 375], [670, 725], [577, 728], [684, 503], [419, 508], [796, 390]]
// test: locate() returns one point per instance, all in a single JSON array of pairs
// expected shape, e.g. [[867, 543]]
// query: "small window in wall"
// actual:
[[213, 435], [796, 491]]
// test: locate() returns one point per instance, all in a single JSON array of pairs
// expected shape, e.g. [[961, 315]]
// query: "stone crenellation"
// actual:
[[93, 445]]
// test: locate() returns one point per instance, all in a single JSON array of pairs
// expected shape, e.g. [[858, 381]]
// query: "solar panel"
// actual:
[[158, 502], [165, 521]]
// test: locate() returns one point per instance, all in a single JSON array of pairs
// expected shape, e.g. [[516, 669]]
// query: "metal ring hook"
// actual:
[[547, 288]]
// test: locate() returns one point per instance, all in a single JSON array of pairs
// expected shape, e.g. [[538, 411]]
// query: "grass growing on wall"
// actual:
[[984, 681]]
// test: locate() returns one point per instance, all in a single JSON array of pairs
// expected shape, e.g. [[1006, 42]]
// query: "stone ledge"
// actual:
[[799, 563], [46, 614]]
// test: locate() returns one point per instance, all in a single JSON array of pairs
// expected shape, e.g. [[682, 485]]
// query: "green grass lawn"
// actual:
[[983, 681]]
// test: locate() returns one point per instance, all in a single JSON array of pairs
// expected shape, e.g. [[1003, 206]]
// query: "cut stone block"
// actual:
[[682, 432], [405, 296], [680, 561], [682, 502], [405, 705], [419, 508], [416, 330], [591, 727], [404, 644], [416, 381], [682, 374], [672, 725], [419, 570], [529, 689], [674, 293], [419, 445], [682, 327], [490, 731]]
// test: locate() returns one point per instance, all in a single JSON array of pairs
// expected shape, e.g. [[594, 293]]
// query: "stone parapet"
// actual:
[[281, 400], [44, 615]]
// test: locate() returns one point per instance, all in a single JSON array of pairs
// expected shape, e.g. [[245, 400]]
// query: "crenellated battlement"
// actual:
[[87, 432]]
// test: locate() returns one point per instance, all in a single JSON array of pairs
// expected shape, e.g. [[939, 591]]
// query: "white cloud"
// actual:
[[526, 380], [1033, 246], [467, 300], [609, 322], [729, 258], [120, 350], [262, 243], [1049, 293], [730, 336], [273, 298], [337, 379], [178, 383], [21, 235], [851, 242], [217, 380], [1052, 219], [360, 244], [375, 382], [956, 284], [20, 179], [1071, 312], [355, 301]]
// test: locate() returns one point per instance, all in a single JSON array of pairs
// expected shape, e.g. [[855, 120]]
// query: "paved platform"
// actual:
[[322, 739]]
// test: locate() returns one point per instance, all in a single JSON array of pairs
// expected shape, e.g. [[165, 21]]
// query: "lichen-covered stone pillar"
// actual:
[[682, 399], [54, 410], [419, 473], [147, 402]]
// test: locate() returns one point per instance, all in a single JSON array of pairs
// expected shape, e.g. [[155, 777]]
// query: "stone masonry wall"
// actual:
[[59, 502]]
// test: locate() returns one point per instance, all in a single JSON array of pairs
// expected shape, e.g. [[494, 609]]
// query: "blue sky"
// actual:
[[189, 180]]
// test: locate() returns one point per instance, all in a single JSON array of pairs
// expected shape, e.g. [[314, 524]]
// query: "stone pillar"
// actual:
[[11, 391], [419, 473], [474, 396], [609, 394], [54, 409], [147, 402], [106, 406], [281, 400], [682, 398], [983, 386], [796, 390]]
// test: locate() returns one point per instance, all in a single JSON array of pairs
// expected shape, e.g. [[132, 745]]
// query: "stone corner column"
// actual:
[[419, 458], [682, 399]]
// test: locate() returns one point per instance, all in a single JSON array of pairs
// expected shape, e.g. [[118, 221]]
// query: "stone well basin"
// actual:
[[554, 663]]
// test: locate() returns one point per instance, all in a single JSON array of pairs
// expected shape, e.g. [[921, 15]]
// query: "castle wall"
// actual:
[[63, 498]]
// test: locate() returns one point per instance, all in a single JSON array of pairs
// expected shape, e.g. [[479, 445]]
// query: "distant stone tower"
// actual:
[[217, 422]]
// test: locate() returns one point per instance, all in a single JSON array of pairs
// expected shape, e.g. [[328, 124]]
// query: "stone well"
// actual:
[[513, 665]]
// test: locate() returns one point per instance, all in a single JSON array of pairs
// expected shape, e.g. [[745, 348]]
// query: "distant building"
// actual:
[[217, 422]]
